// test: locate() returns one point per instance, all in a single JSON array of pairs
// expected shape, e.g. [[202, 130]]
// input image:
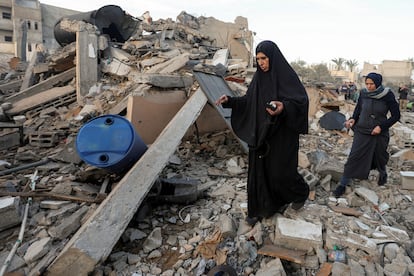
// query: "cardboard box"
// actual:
[[407, 180]]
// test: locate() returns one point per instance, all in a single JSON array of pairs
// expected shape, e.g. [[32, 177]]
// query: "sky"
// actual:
[[314, 31]]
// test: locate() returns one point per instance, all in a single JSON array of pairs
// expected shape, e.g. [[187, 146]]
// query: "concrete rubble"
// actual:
[[200, 229]]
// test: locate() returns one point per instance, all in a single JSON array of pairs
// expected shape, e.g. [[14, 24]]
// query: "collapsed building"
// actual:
[[162, 77]]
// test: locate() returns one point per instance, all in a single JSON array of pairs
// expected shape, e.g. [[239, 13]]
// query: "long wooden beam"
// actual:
[[96, 238], [43, 85]]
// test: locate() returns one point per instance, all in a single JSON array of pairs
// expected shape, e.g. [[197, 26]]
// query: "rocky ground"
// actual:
[[203, 229], [193, 238]]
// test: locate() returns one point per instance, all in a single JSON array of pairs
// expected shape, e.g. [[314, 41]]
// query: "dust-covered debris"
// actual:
[[201, 228]]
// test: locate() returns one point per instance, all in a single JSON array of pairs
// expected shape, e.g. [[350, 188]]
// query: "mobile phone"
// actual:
[[272, 106]]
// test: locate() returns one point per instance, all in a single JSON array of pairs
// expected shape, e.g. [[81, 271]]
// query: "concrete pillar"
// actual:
[[86, 63]]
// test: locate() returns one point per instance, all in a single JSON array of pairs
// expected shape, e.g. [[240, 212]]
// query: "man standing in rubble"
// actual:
[[403, 97], [270, 118]]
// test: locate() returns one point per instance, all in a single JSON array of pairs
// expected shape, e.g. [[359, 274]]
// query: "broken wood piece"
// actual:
[[343, 134], [57, 95], [10, 87], [325, 270], [96, 238], [102, 192], [345, 210], [63, 77], [296, 256]]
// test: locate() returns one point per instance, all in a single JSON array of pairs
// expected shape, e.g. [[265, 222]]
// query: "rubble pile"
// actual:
[[191, 220]]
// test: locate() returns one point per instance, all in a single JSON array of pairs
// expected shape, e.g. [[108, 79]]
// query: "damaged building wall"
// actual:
[[27, 27], [393, 71], [235, 36]]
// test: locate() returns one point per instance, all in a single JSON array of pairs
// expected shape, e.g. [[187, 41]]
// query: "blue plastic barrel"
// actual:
[[110, 142]]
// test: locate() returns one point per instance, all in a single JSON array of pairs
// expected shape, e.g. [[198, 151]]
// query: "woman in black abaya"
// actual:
[[272, 135]]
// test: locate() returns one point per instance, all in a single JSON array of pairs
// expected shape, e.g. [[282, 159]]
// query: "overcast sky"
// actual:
[[315, 31]]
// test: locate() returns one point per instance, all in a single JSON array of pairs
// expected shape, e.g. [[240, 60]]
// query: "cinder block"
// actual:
[[407, 180], [43, 139], [310, 178]]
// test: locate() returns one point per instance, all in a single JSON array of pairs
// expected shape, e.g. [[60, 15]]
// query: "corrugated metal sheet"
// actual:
[[214, 86]]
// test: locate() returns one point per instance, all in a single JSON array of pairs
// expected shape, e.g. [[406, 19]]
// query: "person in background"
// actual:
[[403, 97], [352, 91], [269, 118], [344, 89], [371, 132]]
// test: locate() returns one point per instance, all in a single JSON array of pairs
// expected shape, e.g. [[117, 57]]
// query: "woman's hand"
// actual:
[[279, 108], [222, 99], [349, 123], [376, 130]]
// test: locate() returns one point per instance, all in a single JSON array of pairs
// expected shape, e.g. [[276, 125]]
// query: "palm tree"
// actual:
[[351, 64], [338, 62]]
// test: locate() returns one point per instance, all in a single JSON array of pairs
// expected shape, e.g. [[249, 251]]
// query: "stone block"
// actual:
[[297, 234], [351, 241], [9, 212], [309, 177], [407, 180]]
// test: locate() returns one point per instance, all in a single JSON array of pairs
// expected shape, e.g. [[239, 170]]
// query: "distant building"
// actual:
[[344, 75], [393, 72], [24, 24]]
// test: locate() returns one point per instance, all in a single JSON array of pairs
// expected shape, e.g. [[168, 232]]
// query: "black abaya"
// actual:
[[273, 179]]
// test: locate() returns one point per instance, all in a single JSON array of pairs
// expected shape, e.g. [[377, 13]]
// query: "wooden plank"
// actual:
[[345, 210], [296, 256], [42, 86], [46, 96], [10, 87], [94, 241], [325, 270]]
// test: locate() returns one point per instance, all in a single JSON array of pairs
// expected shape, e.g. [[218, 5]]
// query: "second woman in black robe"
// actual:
[[370, 123]]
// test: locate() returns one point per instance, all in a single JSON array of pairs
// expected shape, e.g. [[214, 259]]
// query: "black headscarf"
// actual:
[[376, 78], [250, 119]]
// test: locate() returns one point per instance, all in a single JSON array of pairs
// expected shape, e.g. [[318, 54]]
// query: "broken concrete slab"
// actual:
[[352, 241], [9, 212], [162, 80], [297, 234]]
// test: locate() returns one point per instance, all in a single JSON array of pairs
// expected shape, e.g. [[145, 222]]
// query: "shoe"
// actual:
[[340, 190], [252, 220], [282, 209], [382, 180], [297, 205]]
